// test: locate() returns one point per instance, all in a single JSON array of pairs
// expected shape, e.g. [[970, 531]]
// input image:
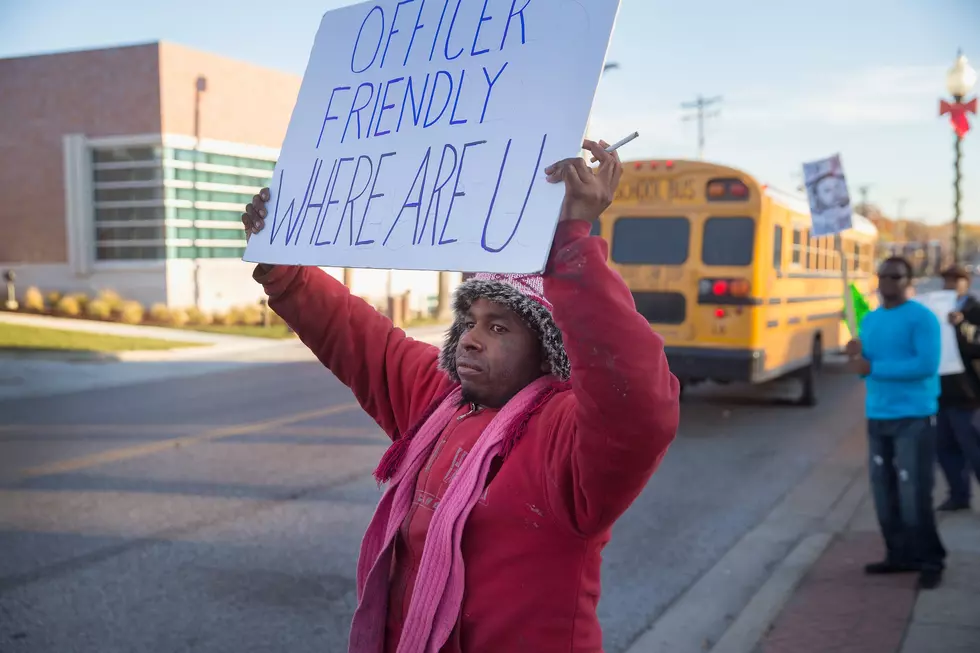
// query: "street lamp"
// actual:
[[959, 82]]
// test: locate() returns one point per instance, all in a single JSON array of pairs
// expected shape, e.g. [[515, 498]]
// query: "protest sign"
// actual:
[[422, 130], [830, 203], [942, 303], [830, 214]]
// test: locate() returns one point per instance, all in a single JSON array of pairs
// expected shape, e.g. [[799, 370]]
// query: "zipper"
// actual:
[[474, 408]]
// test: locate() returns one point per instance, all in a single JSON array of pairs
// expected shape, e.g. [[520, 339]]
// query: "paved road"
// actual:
[[222, 513]]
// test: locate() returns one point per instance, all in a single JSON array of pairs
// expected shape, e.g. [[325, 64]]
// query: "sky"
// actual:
[[798, 81]]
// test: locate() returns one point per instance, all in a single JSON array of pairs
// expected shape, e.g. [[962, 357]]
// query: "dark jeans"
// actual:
[[902, 461], [958, 449]]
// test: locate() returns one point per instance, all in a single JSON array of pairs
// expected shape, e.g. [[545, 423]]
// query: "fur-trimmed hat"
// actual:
[[521, 293]]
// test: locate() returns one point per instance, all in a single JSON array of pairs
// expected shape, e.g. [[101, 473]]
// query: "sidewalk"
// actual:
[[836, 608]]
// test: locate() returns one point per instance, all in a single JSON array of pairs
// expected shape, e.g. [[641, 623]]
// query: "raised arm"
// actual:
[[393, 377], [610, 433]]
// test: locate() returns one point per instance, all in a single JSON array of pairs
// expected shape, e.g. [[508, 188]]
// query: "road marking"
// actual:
[[128, 453]]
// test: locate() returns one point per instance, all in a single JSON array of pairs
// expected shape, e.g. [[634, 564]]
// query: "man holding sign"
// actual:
[[898, 356], [515, 448]]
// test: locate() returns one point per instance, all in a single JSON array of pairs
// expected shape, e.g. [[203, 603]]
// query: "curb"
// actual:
[[729, 608]]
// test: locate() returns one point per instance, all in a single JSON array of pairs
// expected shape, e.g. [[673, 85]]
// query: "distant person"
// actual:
[[515, 447], [898, 355], [958, 445]]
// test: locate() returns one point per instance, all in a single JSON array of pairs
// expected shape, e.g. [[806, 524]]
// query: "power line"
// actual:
[[699, 106]]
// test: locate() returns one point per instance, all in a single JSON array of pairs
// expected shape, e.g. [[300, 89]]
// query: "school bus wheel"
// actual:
[[808, 375]]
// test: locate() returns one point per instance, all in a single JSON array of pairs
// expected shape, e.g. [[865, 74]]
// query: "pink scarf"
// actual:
[[438, 594]]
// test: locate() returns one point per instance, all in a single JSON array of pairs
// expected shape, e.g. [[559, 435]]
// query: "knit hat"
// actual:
[[521, 293]]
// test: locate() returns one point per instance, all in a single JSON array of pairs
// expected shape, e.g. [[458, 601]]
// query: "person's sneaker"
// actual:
[[930, 579], [949, 505], [888, 567]]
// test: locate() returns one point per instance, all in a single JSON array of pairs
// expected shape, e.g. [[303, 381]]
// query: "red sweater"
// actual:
[[532, 545]]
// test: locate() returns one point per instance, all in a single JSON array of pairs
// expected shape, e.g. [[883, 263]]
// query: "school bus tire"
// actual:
[[808, 376]]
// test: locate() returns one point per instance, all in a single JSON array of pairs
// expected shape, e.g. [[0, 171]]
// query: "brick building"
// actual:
[[128, 168]]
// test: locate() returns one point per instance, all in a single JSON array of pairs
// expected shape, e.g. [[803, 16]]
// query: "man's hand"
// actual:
[[853, 349], [955, 318], [587, 193], [860, 366], [254, 216]]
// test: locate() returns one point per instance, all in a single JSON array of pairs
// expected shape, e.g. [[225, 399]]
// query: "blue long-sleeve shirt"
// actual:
[[902, 345]]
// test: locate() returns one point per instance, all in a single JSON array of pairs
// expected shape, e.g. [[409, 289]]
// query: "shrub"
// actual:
[[98, 309], [160, 313], [112, 299], [53, 298], [68, 306], [33, 300], [249, 315], [131, 312], [178, 317], [82, 300], [225, 319], [197, 317]]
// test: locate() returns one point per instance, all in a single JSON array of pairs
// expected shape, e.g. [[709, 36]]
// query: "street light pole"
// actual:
[[200, 85], [960, 80]]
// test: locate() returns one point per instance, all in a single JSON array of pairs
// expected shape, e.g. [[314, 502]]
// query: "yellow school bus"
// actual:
[[725, 269]]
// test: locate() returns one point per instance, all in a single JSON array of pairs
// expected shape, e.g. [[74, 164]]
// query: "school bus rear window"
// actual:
[[651, 241], [728, 241]]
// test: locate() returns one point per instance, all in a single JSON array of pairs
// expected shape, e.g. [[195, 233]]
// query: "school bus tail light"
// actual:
[[724, 291], [727, 190], [739, 288]]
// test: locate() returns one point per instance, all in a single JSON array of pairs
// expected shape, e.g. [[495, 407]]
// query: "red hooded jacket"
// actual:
[[532, 545]]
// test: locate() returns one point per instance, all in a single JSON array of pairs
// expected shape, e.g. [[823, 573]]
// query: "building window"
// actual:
[[154, 202]]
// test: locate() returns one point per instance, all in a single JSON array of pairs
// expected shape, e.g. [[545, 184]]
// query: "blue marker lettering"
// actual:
[[385, 106], [449, 35], [326, 114], [415, 30], [360, 32], [456, 193], [476, 37], [435, 37], [357, 109], [290, 233], [416, 111], [393, 30], [534, 175], [459, 89], [322, 213], [423, 171], [449, 94], [351, 200], [331, 201], [374, 111], [519, 12], [372, 195], [437, 194], [490, 84]]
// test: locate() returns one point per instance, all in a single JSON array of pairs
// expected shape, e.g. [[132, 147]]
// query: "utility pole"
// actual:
[[898, 218], [200, 86], [700, 106], [863, 192]]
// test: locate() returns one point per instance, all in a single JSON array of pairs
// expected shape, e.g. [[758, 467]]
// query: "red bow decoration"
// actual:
[[958, 114]]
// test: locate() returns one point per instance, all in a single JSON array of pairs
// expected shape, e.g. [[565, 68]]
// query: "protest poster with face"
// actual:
[[830, 202], [422, 130]]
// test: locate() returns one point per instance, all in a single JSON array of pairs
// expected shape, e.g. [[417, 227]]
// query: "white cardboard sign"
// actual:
[[422, 130], [942, 303], [830, 201]]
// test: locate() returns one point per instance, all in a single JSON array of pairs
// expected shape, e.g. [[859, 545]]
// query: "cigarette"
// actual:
[[618, 144]]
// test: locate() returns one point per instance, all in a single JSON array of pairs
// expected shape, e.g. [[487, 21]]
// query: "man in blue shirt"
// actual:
[[897, 354]]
